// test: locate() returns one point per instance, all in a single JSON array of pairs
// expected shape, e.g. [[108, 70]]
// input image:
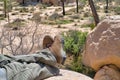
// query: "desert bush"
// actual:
[[75, 16], [74, 44], [78, 66], [97, 8], [32, 9], [24, 10], [91, 25], [117, 10], [83, 2], [86, 14], [36, 17]]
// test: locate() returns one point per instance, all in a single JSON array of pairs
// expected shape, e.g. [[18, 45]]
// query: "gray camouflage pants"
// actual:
[[2, 74]]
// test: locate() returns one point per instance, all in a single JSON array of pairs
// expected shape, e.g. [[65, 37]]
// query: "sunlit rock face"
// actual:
[[103, 44], [102, 49], [69, 75]]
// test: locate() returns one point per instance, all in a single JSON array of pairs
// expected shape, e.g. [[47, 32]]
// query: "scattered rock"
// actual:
[[107, 73]]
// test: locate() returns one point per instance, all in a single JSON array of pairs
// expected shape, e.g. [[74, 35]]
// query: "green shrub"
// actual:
[[77, 66], [92, 25], [74, 42]]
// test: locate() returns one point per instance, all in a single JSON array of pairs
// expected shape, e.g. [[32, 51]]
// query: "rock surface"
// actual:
[[107, 73], [103, 44], [69, 75]]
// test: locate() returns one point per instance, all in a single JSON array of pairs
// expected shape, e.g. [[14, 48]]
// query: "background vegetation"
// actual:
[[74, 45]]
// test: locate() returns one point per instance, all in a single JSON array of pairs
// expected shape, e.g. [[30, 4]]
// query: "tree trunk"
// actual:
[[106, 9], [77, 6], [37, 0], [63, 6], [23, 2], [94, 12], [5, 8]]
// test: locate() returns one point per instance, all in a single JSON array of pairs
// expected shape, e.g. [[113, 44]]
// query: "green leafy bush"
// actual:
[[74, 43], [77, 66]]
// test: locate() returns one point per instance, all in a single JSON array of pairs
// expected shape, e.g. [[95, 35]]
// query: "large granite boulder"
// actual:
[[69, 75], [102, 50], [103, 44]]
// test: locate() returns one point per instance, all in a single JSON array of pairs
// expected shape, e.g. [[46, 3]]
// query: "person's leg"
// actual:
[[3, 74]]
